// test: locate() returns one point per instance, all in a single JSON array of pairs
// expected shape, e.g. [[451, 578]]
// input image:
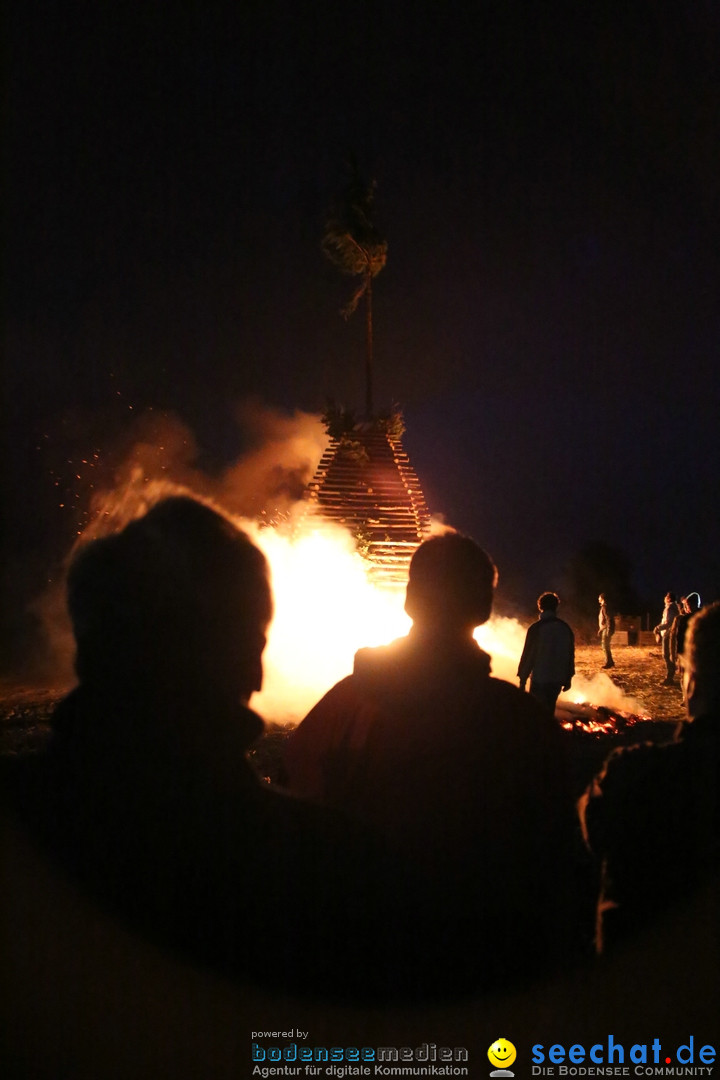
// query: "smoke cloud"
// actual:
[[156, 456]]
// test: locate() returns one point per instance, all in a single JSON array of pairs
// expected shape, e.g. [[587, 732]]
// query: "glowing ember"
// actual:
[[597, 719], [611, 712]]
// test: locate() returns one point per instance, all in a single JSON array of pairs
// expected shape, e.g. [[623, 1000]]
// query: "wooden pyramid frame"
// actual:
[[365, 482]]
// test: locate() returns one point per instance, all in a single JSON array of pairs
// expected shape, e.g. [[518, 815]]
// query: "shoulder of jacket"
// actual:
[[371, 659]]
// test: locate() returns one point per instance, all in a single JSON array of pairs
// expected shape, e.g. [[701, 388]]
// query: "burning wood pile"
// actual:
[[365, 482], [587, 719]]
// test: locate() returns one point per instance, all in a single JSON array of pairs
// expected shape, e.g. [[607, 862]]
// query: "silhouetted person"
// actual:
[[606, 629], [653, 814], [688, 606], [662, 631], [145, 795], [548, 657], [462, 770]]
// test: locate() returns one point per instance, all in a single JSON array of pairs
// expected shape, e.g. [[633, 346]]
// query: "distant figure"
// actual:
[[688, 606], [548, 658], [606, 629], [145, 795], [652, 814], [463, 771], [663, 632]]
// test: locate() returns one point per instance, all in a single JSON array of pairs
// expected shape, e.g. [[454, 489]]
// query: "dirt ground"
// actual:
[[639, 672]]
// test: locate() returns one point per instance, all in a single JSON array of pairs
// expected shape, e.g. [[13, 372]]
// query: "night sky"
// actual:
[[548, 178]]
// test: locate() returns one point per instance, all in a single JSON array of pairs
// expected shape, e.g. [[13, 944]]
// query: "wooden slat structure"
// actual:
[[366, 483]]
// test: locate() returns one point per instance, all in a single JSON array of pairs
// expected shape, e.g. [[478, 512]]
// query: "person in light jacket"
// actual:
[[663, 631]]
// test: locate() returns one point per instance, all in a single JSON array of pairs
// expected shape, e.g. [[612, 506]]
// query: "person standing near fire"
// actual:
[[606, 629], [457, 770], [548, 658], [663, 632]]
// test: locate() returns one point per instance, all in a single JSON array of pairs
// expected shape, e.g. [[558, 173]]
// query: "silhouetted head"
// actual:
[[701, 662], [451, 583], [548, 601], [692, 602], [179, 598], [670, 598]]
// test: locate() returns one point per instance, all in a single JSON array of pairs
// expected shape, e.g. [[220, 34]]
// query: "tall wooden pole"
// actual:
[[368, 350]]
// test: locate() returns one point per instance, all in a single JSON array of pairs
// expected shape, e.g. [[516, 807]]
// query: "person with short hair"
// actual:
[[651, 815], [462, 771], [450, 589], [548, 656]]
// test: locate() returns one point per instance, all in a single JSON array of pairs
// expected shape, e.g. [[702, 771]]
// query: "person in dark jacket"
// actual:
[[688, 606], [460, 770], [653, 814], [548, 657]]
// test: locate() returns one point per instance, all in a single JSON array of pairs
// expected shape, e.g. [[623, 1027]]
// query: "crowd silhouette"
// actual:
[[429, 813]]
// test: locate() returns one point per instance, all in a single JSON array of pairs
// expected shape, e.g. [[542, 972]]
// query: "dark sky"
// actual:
[[549, 183]]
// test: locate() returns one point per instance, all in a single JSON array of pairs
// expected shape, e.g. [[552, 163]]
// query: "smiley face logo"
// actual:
[[502, 1054]]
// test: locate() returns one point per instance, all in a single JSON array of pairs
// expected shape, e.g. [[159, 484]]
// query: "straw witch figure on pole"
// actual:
[[353, 242]]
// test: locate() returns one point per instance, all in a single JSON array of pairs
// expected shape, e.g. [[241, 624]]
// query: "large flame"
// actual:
[[327, 607]]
